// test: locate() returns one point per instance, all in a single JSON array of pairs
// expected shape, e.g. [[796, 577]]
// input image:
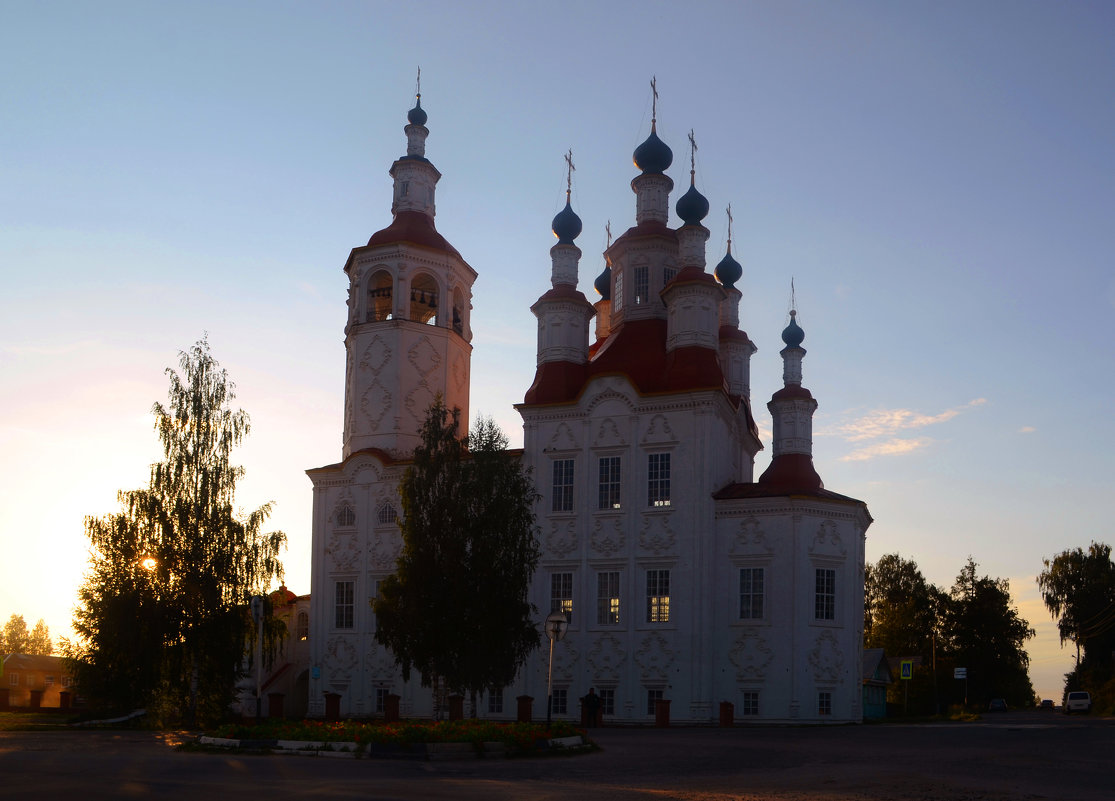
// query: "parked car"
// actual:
[[1077, 701], [1046, 704], [997, 705]]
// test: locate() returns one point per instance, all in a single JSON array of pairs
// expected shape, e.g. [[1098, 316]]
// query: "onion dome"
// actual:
[[692, 207], [728, 271], [653, 155], [603, 283], [566, 225], [793, 335], [417, 116]]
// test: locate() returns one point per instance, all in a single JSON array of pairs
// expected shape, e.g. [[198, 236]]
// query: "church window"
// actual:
[[344, 604], [751, 593], [609, 492], [642, 284], [495, 701], [381, 699], [824, 704], [750, 703], [669, 274], [376, 584], [824, 607], [423, 299], [562, 498], [346, 518], [458, 318], [561, 594], [654, 694], [617, 295], [607, 598], [387, 514], [303, 630], [658, 479], [13, 679], [560, 700], [380, 297], [658, 596], [607, 700]]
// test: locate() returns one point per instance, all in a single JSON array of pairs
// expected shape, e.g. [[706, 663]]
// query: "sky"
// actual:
[[935, 177]]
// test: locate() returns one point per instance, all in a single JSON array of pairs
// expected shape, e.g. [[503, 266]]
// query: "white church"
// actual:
[[685, 579]]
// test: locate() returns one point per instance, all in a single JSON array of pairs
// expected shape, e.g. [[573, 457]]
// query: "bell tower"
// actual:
[[407, 338]]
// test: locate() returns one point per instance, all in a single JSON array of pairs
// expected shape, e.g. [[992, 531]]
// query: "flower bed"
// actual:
[[518, 738]]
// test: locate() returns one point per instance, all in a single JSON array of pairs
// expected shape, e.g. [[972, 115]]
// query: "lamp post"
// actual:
[[556, 626], [257, 616]]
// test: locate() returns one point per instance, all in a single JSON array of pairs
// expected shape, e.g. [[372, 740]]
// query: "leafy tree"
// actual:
[[984, 633], [1078, 588], [456, 609], [39, 641], [900, 613], [162, 619], [15, 639]]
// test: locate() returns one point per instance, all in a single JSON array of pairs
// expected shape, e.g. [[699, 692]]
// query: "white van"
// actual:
[[1077, 702]]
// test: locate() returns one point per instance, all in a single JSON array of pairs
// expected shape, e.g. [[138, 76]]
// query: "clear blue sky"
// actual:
[[937, 177]]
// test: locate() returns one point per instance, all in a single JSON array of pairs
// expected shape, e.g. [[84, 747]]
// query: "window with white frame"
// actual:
[[642, 285], [48, 681], [381, 699], [610, 483], [495, 701], [562, 496], [346, 518], [13, 679], [654, 694], [560, 701], [303, 631], [617, 295], [658, 596], [824, 703], [824, 607], [608, 700], [751, 593], [387, 514], [344, 604], [750, 703], [607, 598], [67, 681], [668, 274], [658, 479], [561, 594]]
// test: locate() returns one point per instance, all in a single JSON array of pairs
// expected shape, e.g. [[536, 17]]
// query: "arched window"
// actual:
[[423, 299], [387, 514], [303, 632], [458, 312], [380, 297], [346, 518]]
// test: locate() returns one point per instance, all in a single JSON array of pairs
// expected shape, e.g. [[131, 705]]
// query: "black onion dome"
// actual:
[[692, 207], [603, 283], [793, 336], [653, 155], [566, 225], [728, 271], [417, 116]]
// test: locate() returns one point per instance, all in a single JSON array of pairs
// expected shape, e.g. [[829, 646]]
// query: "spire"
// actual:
[[692, 207], [792, 409], [415, 177], [728, 271], [566, 227]]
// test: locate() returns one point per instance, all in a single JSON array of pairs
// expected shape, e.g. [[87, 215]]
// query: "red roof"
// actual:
[[413, 227]]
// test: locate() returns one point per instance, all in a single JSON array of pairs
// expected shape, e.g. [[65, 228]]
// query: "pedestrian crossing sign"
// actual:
[[907, 669]]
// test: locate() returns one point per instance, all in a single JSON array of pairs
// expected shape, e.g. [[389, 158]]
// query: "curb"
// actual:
[[432, 752]]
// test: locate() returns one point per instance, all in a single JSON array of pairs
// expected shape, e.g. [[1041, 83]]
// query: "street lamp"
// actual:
[[556, 626]]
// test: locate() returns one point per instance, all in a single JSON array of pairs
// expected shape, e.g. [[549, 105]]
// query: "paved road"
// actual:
[[1014, 756]]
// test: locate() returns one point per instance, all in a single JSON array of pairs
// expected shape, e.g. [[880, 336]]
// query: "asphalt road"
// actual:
[[1029, 755]]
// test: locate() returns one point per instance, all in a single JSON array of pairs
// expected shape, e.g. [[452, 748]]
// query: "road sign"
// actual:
[[960, 673], [907, 669]]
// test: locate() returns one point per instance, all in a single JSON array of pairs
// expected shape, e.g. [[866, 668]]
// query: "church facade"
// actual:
[[686, 581]]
